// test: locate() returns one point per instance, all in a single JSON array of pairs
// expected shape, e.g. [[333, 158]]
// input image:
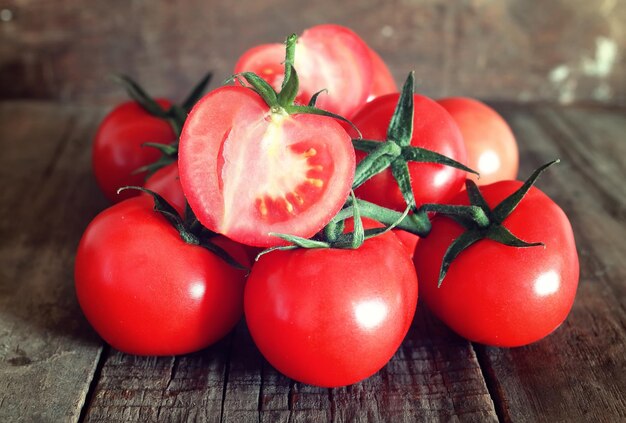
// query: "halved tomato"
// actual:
[[330, 57], [248, 171]]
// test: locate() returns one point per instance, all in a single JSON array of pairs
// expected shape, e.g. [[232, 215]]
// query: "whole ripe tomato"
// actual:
[[433, 129], [166, 183], [147, 292], [491, 146], [325, 54], [247, 171], [496, 294], [117, 149], [331, 317]]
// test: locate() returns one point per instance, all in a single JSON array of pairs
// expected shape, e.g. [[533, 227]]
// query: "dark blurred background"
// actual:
[[560, 50]]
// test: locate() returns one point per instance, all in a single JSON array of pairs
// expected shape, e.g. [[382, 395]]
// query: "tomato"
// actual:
[[491, 146], [248, 172], [331, 317], [117, 149], [147, 292], [496, 294], [166, 183], [408, 239], [382, 81], [325, 56], [434, 130]]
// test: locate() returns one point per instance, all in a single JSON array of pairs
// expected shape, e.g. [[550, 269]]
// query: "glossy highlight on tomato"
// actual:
[[248, 172], [118, 150], [433, 129], [146, 291], [496, 294], [331, 317]]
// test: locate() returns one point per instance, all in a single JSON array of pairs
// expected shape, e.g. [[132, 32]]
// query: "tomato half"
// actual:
[[248, 172], [330, 57], [433, 129], [496, 294], [118, 149], [491, 146], [147, 292], [331, 317]]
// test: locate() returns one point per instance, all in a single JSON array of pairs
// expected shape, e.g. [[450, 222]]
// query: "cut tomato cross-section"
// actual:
[[248, 171]]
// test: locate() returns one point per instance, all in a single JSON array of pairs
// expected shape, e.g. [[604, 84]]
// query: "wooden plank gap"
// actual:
[[231, 342], [95, 377], [493, 385]]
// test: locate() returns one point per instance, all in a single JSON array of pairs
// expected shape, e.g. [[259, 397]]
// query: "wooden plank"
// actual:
[[565, 50], [48, 354], [434, 376], [579, 372]]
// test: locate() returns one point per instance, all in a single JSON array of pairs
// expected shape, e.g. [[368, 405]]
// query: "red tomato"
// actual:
[[500, 295], [382, 81], [247, 172], [434, 130], [117, 149], [325, 55], [491, 146], [331, 317], [166, 183], [146, 291], [408, 239]]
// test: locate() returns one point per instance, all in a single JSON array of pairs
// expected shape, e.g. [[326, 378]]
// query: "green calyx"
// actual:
[[175, 116], [396, 152], [482, 222], [189, 228], [283, 101]]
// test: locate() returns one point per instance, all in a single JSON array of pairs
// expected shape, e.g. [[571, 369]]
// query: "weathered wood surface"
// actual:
[[53, 367], [565, 50], [48, 354]]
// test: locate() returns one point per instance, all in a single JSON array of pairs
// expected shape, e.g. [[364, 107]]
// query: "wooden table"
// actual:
[[54, 368]]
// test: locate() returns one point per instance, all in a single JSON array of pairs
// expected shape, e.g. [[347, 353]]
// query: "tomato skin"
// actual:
[[247, 172], [499, 295], [382, 81], [145, 291], [491, 146], [331, 317], [324, 55], [117, 150], [166, 183], [434, 130]]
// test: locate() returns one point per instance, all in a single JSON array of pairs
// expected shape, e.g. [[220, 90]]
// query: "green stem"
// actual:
[[375, 162], [418, 224], [473, 213]]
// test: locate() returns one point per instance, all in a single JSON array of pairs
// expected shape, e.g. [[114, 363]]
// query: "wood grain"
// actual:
[[562, 50], [48, 354]]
